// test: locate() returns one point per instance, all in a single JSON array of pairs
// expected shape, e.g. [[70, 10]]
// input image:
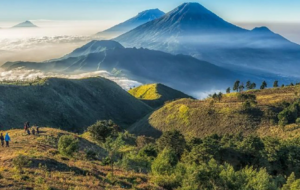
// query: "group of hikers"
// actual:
[[6, 138], [33, 131]]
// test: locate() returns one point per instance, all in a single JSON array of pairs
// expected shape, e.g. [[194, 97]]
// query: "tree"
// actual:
[[228, 90], [173, 140], [215, 96], [248, 85], [275, 85], [236, 85], [292, 84], [282, 86], [220, 96], [253, 86], [101, 130], [241, 87], [112, 146], [263, 85], [67, 145]]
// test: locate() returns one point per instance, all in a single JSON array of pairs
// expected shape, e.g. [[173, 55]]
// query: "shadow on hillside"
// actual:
[[53, 165], [143, 127]]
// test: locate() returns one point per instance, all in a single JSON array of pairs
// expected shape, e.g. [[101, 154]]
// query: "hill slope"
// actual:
[[196, 118], [48, 169], [155, 95], [141, 18], [68, 104], [192, 29], [181, 72]]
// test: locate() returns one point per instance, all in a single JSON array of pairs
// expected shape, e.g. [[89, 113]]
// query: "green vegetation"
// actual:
[[71, 105], [67, 145], [257, 112], [156, 95]]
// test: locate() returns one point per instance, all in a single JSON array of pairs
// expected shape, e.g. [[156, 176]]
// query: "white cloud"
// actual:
[[30, 75]]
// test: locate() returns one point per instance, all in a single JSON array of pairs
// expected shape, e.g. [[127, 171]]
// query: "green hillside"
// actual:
[[44, 168], [69, 104], [155, 95], [232, 115]]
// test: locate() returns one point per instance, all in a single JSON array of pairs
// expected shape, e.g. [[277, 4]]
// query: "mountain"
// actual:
[[141, 18], [26, 24], [68, 104], [181, 72], [194, 30], [156, 95], [201, 118]]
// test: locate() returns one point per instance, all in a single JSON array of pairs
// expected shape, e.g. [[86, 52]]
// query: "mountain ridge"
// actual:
[[206, 36]]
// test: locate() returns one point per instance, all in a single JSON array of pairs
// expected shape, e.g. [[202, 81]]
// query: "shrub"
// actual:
[[67, 145], [101, 130], [142, 141], [173, 140], [20, 162], [298, 120]]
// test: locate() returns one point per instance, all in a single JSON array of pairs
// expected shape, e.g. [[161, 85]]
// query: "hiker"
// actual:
[[7, 139], [28, 132], [26, 126], [2, 139], [37, 130], [33, 131]]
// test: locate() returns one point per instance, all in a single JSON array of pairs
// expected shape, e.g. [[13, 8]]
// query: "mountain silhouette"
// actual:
[[194, 30], [141, 18], [181, 72], [26, 24]]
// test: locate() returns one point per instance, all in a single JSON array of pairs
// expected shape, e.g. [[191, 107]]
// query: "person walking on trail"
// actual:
[[26, 126], [7, 139], [37, 130], [33, 131], [2, 139]]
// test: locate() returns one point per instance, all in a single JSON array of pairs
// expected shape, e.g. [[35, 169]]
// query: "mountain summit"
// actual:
[[26, 24], [141, 18], [194, 30]]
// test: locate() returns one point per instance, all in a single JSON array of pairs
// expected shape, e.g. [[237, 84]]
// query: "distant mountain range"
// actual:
[[181, 72], [194, 30], [132, 23], [26, 24]]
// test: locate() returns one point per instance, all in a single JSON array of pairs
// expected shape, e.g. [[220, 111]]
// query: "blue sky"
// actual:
[[231, 10]]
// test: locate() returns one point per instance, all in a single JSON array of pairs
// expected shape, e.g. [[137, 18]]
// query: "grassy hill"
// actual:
[[49, 170], [69, 104], [155, 95], [199, 118]]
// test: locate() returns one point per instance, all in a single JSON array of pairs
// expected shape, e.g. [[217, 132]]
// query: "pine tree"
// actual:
[[241, 87], [275, 85], [253, 86], [228, 90], [263, 85], [248, 85], [220, 96], [236, 85]]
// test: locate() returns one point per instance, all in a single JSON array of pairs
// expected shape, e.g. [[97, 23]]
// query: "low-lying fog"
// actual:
[[53, 39], [50, 40]]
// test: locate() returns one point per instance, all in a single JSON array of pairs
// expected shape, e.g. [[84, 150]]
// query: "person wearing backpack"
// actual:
[[7, 139]]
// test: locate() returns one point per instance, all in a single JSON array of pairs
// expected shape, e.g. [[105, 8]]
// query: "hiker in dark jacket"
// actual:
[[7, 139], [2, 139], [37, 130], [33, 131]]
